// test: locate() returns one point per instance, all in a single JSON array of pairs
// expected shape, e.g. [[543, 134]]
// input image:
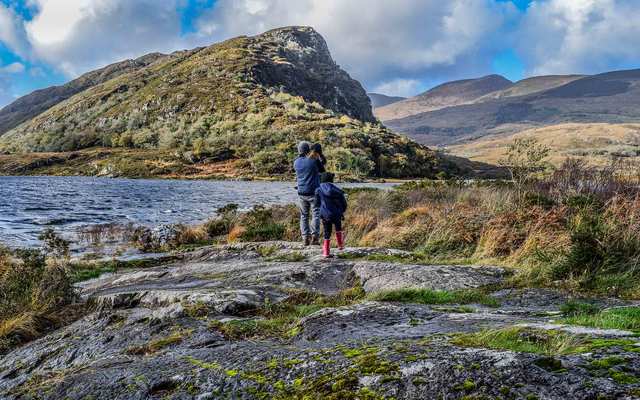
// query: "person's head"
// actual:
[[326, 177], [317, 148], [304, 148]]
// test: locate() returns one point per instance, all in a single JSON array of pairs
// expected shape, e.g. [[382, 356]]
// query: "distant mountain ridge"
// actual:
[[444, 95], [612, 97]]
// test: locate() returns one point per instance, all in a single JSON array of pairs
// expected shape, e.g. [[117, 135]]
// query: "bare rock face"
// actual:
[[304, 67], [160, 333]]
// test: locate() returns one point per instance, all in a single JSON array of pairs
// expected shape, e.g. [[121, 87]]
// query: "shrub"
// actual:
[[33, 289], [259, 225]]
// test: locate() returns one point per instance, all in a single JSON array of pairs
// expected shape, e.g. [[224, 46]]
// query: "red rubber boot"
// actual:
[[340, 239], [326, 248]]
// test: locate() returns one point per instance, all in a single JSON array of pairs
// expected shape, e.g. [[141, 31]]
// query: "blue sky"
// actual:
[[398, 47]]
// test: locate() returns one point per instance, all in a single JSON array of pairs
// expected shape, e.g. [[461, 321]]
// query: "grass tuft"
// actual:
[[624, 318], [522, 340]]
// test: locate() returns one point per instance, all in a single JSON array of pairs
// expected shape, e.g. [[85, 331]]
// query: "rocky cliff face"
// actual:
[[309, 71], [231, 322]]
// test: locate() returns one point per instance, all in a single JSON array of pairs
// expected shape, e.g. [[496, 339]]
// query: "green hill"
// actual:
[[234, 108]]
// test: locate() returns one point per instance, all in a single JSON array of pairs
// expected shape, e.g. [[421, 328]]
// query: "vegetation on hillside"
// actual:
[[246, 100]]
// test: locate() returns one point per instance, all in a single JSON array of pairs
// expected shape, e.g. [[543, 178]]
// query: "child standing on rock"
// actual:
[[333, 205]]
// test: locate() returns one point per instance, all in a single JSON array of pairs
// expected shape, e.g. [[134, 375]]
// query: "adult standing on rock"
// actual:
[[308, 180]]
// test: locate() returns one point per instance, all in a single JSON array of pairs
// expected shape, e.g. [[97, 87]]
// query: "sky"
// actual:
[[395, 47]]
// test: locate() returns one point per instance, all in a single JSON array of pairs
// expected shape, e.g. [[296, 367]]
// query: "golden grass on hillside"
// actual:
[[596, 143]]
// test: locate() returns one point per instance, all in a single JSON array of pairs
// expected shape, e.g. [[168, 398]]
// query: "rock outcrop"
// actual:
[[164, 332]]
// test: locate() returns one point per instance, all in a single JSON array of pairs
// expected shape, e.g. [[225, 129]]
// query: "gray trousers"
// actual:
[[308, 207]]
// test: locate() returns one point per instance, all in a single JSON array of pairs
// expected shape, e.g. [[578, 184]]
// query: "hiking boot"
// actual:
[[340, 239], [326, 248], [315, 240], [306, 240]]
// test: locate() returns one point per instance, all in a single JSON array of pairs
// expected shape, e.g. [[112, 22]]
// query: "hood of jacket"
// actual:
[[330, 190]]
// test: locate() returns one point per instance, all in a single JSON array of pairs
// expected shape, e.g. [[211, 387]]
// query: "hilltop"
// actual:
[[445, 95], [235, 108], [538, 102]]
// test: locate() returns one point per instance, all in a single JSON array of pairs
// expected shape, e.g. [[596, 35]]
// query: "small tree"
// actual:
[[524, 159]]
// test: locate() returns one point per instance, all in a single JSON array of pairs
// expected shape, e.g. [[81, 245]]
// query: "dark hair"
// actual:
[[317, 147], [326, 177]]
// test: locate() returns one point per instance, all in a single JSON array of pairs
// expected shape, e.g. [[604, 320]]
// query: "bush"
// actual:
[[222, 224], [34, 287], [259, 225]]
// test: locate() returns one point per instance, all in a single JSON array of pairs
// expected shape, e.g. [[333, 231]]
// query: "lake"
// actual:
[[30, 204]]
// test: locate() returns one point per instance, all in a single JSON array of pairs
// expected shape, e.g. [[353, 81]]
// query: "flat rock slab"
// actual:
[[376, 277], [369, 320], [93, 358], [217, 274]]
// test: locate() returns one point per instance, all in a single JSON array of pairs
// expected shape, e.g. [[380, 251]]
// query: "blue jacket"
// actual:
[[332, 202], [307, 175]]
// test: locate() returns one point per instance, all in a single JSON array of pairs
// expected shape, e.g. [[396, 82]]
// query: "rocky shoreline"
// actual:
[[203, 327]]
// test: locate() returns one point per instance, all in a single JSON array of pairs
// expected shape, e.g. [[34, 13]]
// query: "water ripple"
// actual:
[[29, 204]]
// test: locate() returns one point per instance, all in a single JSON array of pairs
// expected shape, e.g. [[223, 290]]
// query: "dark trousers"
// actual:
[[327, 225]]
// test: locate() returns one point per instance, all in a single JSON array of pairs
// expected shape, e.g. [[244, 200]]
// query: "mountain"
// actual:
[[381, 100], [29, 106], [612, 97], [235, 108], [530, 85], [445, 95]]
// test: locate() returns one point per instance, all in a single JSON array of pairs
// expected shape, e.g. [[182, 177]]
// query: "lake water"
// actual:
[[30, 204]]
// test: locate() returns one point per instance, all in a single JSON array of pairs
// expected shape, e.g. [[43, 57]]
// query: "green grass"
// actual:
[[156, 345], [572, 308], [608, 362], [428, 296], [623, 378], [547, 342], [281, 323], [522, 340], [625, 318]]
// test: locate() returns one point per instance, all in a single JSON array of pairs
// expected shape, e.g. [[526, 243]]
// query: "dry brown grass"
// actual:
[[596, 143], [35, 292]]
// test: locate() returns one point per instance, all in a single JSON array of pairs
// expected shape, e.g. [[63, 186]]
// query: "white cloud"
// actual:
[[12, 33], [79, 35], [373, 40], [580, 36], [13, 68], [400, 87], [391, 46]]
